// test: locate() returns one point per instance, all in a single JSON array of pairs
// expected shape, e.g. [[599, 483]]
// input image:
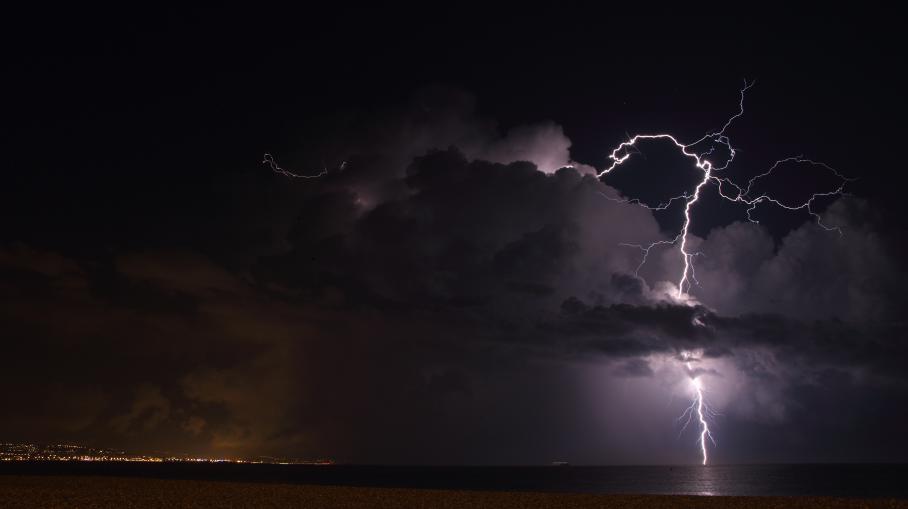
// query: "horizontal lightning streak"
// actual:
[[269, 160]]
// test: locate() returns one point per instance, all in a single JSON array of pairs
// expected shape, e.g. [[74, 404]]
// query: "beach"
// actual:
[[119, 492]]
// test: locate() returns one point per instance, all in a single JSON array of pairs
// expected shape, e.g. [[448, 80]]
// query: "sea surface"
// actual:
[[887, 480]]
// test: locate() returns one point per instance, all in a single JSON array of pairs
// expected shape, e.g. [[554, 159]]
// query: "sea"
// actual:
[[845, 480]]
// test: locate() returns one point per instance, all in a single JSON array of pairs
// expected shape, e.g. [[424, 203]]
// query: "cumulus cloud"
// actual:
[[543, 144], [379, 146], [814, 273], [454, 279]]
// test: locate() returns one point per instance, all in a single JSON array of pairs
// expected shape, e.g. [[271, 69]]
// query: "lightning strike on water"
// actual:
[[697, 152], [704, 426], [698, 407]]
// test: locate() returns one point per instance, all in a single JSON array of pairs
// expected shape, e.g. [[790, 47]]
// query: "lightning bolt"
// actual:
[[269, 160], [699, 407], [698, 152], [727, 188]]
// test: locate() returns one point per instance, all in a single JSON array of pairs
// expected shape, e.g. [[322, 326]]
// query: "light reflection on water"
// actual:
[[757, 480], [705, 481], [863, 481]]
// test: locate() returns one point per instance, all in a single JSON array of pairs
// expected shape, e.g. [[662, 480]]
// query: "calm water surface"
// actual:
[[823, 480]]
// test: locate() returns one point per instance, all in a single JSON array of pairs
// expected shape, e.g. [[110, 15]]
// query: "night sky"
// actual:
[[448, 297]]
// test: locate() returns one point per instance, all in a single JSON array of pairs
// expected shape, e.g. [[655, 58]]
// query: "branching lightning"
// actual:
[[697, 152], [699, 407]]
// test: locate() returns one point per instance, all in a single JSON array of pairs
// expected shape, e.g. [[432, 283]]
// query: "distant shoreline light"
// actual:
[[24, 452]]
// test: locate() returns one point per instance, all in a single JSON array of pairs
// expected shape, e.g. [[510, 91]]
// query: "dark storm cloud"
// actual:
[[634, 367], [506, 264], [440, 286]]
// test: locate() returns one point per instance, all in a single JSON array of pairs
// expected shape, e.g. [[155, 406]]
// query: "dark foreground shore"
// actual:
[[117, 492]]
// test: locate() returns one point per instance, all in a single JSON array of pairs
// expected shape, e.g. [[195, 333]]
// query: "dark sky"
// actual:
[[448, 297]]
